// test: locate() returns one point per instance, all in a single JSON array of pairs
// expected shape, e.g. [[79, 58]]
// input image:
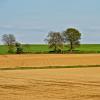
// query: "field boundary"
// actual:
[[50, 67]]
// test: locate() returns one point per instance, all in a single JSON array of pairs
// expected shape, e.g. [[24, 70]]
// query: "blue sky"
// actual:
[[31, 20]]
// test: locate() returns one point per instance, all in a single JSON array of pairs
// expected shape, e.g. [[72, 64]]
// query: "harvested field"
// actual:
[[42, 60], [50, 84]]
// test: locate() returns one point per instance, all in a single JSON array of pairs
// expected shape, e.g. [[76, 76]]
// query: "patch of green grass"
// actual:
[[35, 48], [3, 49], [50, 67], [89, 48], [42, 48]]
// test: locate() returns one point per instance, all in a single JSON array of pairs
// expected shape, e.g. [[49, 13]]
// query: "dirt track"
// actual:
[[41, 60], [50, 84]]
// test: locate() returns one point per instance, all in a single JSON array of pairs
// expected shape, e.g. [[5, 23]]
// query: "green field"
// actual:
[[84, 48], [92, 48]]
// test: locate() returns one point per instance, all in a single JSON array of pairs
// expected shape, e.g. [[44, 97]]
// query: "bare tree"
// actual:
[[55, 41], [9, 40]]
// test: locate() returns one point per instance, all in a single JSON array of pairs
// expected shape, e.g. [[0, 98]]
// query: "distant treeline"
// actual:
[[56, 42]]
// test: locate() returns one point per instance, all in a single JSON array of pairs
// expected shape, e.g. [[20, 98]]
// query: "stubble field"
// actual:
[[50, 84], [44, 60]]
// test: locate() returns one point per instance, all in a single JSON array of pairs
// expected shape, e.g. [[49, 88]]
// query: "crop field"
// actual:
[[46, 77], [50, 84], [84, 48], [44, 60]]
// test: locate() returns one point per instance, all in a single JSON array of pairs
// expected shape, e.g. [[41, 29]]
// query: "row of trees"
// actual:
[[55, 40]]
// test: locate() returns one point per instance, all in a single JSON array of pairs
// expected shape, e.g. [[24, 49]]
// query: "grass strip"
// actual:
[[49, 67]]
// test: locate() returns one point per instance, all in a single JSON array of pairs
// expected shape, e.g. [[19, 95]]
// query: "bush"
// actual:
[[19, 48]]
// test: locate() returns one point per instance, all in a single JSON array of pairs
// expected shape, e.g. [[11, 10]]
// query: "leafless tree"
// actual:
[[9, 40], [55, 41]]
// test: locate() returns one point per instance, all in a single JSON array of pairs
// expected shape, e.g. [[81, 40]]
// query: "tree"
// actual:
[[19, 48], [55, 41], [72, 36], [9, 40]]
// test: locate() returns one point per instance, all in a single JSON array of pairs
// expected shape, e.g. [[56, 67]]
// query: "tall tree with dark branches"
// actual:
[[55, 41]]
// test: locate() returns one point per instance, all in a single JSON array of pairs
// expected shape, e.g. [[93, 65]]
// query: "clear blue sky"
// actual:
[[31, 20]]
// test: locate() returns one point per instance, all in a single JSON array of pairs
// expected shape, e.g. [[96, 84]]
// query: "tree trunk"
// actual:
[[71, 46]]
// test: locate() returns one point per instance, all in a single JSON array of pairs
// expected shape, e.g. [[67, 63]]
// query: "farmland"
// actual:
[[44, 60], [40, 48], [50, 76], [50, 84], [49, 50]]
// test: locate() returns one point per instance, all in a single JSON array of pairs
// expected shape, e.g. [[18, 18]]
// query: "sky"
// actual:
[[31, 20]]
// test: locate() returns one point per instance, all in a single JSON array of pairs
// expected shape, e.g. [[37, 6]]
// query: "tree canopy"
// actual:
[[72, 36]]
